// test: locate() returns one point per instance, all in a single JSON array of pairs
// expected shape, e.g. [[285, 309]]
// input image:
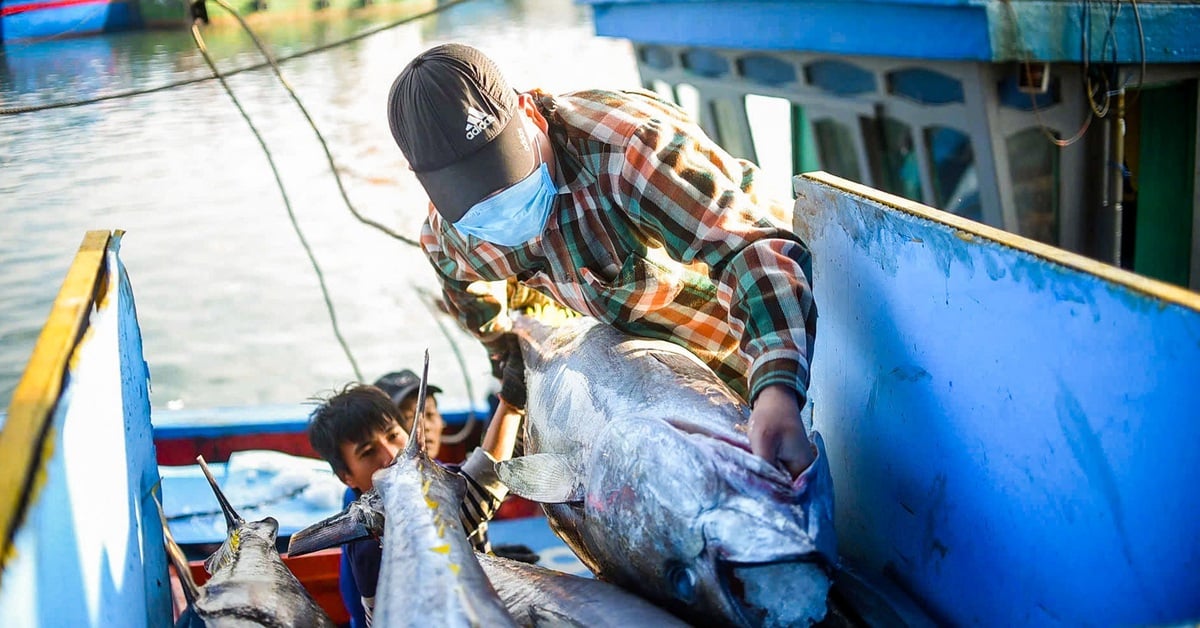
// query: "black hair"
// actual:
[[351, 415]]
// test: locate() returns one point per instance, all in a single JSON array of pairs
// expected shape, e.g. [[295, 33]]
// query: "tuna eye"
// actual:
[[683, 583]]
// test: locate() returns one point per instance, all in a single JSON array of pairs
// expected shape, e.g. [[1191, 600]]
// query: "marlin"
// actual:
[[250, 585], [537, 596], [641, 458], [429, 575]]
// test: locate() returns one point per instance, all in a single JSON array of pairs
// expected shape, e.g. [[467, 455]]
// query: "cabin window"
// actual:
[[656, 57], [1009, 93], [1033, 164], [663, 89], [955, 179], [893, 158], [688, 98], [766, 70], [925, 86], [731, 128], [705, 63], [839, 77], [771, 130], [835, 147]]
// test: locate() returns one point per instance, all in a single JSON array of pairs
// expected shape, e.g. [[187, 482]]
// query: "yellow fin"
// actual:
[[442, 549]]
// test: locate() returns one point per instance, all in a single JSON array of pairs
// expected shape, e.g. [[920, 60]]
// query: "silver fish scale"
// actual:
[[675, 506], [429, 575], [253, 586]]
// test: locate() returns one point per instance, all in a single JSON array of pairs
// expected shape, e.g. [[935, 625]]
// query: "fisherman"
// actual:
[[361, 429], [616, 205]]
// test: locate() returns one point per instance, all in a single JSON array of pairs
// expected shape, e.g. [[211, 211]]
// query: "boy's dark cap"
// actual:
[[456, 120], [400, 384]]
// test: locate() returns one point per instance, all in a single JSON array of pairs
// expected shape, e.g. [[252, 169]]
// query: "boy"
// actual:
[[361, 429]]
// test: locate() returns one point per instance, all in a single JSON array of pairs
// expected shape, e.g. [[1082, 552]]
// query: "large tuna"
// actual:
[[641, 458], [250, 585], [429, 575]]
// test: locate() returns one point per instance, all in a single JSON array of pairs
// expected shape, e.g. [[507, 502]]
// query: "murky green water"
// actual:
[[230, 308]]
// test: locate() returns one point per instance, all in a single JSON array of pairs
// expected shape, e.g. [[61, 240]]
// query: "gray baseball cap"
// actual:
[[456, 120]]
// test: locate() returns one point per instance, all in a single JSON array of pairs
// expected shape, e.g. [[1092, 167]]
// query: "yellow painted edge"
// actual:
[[23, 440], [1151, 287]]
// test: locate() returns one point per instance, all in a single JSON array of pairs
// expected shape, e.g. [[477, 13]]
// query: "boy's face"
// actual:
[[433, 424], [370, 455]]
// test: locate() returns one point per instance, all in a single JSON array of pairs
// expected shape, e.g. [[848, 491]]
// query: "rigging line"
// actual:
[[283, 192], [9, 111], [466, 429], [224, 4]]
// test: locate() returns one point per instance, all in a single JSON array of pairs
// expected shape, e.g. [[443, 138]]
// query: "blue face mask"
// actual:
[[516, 214]]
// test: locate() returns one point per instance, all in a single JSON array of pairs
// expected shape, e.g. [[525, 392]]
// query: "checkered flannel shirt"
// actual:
[[657, 231]]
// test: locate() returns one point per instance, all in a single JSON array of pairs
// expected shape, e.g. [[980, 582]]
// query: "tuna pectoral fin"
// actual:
[[545, 478], [341, 528]]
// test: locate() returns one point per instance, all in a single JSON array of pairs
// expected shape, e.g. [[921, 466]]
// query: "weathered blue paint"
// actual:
[[1013, 440], [981, 30], [39, 19], [90, 550]]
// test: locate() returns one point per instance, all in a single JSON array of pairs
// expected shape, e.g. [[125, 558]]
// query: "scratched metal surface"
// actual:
[[1013, 439]]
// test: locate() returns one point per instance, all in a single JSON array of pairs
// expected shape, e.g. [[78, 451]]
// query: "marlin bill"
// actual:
[[641, 459], [249, 584]]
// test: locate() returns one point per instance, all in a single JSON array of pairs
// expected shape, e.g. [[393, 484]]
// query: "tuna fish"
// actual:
[[537, 596], [641, 458], [429, 575], [250, 585]]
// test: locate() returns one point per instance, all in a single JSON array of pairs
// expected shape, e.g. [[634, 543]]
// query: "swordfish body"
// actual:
[[640, 456], [249, 584], [429, 575]]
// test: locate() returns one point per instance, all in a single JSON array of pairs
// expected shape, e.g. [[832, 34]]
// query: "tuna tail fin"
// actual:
[[416, 440], [191, 590], [232, 519], [544, 478]]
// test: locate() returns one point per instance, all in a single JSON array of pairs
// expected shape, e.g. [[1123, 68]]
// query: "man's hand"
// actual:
[[776, 432], [508, 366]]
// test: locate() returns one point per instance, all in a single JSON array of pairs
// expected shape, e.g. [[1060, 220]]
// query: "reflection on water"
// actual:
[[230, 309]]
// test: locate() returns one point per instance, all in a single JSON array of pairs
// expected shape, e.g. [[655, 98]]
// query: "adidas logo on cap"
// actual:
[[477, 121]]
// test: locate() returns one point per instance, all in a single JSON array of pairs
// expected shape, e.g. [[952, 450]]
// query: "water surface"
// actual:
[[229, 305]]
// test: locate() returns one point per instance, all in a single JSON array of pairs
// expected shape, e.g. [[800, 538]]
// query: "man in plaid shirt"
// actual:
[[616, 205]]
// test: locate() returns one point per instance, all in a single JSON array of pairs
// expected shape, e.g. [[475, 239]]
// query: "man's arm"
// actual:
[[702, 204]]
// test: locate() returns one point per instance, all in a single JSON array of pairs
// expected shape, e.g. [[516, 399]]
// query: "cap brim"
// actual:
[[508, 158], [412, 390]]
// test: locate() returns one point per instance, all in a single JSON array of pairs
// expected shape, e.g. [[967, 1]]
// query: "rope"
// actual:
[[465, 431], [320, 138], [9, 111], [286, 202]]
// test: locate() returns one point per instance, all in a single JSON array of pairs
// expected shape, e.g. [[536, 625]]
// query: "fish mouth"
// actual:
[[754, 590]]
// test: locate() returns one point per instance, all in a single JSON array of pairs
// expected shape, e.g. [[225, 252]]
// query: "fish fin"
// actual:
[[191, 590], [545, 478], [343, 527]]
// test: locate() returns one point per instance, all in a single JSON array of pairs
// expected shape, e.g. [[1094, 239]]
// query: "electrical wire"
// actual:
[[283, 192], [1037, 111], [10, 111]]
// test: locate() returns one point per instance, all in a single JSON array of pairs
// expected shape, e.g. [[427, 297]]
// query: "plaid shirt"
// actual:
[[656, 231]]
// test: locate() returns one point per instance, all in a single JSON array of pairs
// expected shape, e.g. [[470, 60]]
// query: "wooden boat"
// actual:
[[1011, 429]]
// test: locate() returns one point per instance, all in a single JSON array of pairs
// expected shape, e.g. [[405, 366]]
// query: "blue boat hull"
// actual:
[[42, 19]]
